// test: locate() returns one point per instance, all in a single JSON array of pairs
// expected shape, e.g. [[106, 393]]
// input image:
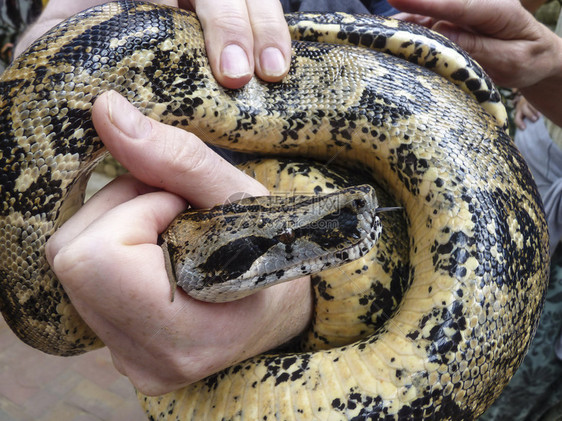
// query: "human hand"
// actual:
[[524, 110], [107, 259], [515, 49], [240, 36], [244, 36]]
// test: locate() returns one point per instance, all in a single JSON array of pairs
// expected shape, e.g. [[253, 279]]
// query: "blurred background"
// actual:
[[15, 15]]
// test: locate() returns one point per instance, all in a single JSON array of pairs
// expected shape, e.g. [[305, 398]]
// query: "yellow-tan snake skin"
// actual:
[[399, 104]]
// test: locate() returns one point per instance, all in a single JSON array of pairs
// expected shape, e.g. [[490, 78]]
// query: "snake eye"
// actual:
[[359, 203], [287, 237]]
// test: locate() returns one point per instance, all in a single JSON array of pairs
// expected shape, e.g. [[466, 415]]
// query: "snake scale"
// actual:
[[385, 99]]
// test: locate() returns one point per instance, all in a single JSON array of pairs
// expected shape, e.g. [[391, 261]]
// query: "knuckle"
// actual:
[[150, 387], [77, 260], [186, 156], [165, 379], [231, 23], [470, 42], [69, 261], [269, 25]]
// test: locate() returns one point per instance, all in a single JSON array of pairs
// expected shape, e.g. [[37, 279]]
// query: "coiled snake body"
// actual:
[[400, 104]]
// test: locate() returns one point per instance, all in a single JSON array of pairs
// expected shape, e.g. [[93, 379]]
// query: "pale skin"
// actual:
[[524, 111], [121, 289]]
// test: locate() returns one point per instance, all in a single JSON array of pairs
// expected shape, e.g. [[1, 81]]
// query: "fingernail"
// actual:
[[272, 62], [234, 62], [126, 117]]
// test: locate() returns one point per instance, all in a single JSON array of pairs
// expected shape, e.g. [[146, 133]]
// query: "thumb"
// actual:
[[167, 157]]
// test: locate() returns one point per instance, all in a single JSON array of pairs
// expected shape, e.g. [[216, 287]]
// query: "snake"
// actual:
[[430, 322]]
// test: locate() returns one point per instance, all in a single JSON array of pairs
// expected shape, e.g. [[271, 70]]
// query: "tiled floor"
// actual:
[[39, 387]]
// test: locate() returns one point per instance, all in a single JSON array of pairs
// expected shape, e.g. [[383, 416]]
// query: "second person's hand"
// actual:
[[242, 37]]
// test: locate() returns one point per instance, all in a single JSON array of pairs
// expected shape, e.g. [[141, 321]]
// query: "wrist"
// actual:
[[554, 69]]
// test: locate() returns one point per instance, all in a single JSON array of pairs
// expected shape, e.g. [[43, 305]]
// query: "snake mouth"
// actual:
[[326, 243]]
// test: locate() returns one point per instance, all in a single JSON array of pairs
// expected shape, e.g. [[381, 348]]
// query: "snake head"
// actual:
[[233, 250]]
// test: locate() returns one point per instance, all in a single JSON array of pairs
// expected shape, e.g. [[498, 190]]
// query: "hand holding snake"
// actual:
[[440, 10], [513, 47], [240, 36], [108, 262], [207, 188]]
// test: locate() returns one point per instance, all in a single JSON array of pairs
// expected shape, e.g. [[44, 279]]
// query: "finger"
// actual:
[[456, 11], [115, 262], [485, 17], [229, 40], [530, 112], [118, 191], [426, 21], [481, 28], [471, 42], [103, 249], [167, 157], [434, 8], [519, 121], [272, 42], [488, 51]]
